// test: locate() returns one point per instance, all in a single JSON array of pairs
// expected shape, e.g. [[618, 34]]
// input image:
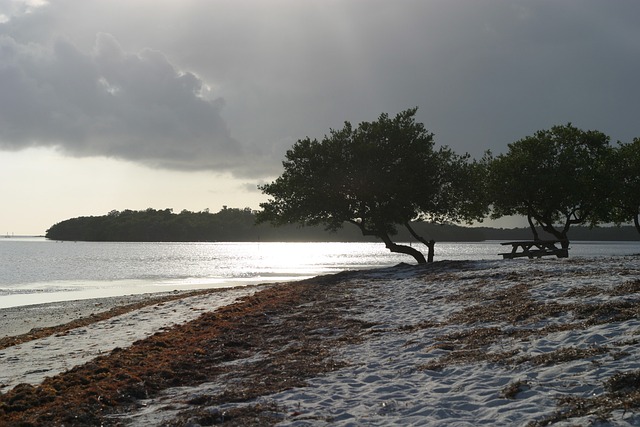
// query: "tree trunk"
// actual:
[[636, 221], [393, 247], [431, 244], [564, 243], [560, 235], [533, 228]]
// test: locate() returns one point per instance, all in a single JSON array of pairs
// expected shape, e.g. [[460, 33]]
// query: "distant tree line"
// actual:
[[153, 225]]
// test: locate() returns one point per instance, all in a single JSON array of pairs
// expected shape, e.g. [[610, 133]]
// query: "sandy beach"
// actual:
[[463, 343]]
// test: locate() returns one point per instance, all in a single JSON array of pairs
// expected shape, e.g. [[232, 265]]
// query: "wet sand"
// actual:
[[21, 320]]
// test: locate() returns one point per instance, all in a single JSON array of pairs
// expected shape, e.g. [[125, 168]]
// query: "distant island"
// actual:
[[238, 225]]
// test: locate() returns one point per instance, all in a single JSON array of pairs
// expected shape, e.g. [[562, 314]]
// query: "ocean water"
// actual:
[[35, 270]]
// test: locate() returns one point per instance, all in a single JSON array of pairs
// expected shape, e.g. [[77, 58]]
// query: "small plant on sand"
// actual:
[[512, 390]]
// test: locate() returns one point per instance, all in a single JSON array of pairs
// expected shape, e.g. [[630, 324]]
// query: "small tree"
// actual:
[[377, 176], [625, 193], [556, 178]]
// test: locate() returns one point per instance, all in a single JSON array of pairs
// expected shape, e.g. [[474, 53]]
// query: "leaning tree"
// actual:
[[625, 193], [556, 178], [377, 176]]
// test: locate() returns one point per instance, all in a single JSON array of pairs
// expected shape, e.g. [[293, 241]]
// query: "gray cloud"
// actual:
[[483, 74], [108, 102]]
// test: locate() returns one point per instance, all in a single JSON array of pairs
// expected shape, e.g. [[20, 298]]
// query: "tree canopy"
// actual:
[[557, 178], [625, 193], [377, 176]]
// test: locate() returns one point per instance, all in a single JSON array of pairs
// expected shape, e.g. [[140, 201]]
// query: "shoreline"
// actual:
[[19, 320], [132, 289], [25, 323], [473, 343]]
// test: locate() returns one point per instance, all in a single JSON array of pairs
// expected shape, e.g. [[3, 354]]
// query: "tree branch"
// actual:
[[430, 244]]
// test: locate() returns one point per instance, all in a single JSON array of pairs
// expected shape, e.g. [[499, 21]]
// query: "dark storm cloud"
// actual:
[[483, 73], [108, 102]]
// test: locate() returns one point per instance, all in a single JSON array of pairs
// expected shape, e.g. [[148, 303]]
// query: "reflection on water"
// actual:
[[36, 266]]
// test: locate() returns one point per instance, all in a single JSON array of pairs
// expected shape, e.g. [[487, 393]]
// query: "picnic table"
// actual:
[[535, 249]]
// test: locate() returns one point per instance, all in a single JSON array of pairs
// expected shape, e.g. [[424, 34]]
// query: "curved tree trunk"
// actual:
[[394, 247], [636, 221]]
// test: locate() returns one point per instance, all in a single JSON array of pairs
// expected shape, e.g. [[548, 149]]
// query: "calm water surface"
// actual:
[[36, 270]]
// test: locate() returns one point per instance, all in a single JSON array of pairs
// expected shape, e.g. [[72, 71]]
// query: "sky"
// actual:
[[190, 104]]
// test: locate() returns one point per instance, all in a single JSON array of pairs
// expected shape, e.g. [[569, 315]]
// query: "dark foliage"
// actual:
[[158, 225], [227, 225]]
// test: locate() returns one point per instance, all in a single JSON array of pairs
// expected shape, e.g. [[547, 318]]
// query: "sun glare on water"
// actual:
[[299, 255]]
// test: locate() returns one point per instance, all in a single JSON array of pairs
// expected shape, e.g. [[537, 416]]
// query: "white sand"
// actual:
[[384, 387], [385, 383]]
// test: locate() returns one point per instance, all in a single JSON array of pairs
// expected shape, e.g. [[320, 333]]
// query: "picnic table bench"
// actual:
[[535, 249]]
